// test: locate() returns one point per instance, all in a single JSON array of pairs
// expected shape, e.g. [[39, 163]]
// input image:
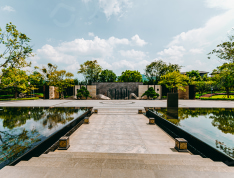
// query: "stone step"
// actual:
[[120, 155], [41, 172], [71, 162], [145, 157]]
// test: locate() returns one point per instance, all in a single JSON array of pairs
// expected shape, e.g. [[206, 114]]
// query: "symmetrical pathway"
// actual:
[[118, 142]]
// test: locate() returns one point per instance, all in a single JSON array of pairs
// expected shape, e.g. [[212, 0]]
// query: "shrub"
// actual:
[[83, 92], [151, 93]]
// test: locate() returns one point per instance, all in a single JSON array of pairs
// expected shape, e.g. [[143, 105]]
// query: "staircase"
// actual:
[[90, 164], [118, 111]]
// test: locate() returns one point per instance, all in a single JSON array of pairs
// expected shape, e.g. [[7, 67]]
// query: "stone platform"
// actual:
[[118, 143]]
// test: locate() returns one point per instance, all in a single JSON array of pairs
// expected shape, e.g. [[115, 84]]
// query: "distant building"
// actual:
[[202, 73]]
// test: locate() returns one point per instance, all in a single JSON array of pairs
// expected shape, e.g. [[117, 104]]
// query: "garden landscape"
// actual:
[[97, 88]]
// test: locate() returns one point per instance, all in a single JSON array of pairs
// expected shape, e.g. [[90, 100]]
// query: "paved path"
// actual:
[[117, 103], [116, 133]]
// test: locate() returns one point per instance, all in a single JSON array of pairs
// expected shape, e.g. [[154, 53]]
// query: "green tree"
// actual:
[[83, 92], [174, 80], [130, 76], [47, 72], [193, 75], [225, 50], [16, 49], [15, 80], [158, 68], [61, 79], [90, 71], [150, 93], [225, 77], [107, 76]]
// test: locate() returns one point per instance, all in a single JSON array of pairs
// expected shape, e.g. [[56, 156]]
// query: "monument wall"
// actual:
[[117, 90]]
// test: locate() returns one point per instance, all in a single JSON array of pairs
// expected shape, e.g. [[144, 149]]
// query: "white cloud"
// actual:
[[91, 34], [56, 56], [173, 51], [196, 51], [173, 54], [114, 7], [224, 4], [8, 8], [208, 34], [133, 54], [137, 41], [71, 54]]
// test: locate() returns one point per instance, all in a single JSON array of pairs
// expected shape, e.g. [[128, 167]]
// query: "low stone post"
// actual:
[[181, 144], [86, 120], [151, 121], [64, 143]]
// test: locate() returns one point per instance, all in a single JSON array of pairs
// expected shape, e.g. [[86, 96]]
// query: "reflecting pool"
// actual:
[[215, 126], [21, 129]]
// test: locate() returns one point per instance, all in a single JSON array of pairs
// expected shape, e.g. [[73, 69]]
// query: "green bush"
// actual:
[[13, 99], [207, 98], [83, 92], [150, 93]]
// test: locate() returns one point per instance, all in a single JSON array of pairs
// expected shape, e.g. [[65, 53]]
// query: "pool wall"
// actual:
[[43, 146], [195, 145]]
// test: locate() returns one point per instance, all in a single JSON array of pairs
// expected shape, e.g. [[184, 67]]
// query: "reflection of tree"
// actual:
[[184, 113], [15, 117], [14, 144], [58, 115], [224, 120], [229, 151]]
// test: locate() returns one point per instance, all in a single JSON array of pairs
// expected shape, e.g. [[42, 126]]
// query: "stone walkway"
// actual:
[[116, 133], [117, 103]]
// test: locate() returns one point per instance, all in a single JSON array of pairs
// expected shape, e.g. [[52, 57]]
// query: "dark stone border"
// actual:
[[195, 145], [51, 140]]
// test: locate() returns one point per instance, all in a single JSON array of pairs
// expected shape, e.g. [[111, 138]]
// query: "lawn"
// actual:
[[218, 97], [13, 99]]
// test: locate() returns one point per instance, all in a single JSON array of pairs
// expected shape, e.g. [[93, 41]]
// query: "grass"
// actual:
[[13, 99], [219, 97], [39, 94]]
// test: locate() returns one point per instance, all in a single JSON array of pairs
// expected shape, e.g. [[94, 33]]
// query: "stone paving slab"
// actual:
[[117, 103], [121, 134]]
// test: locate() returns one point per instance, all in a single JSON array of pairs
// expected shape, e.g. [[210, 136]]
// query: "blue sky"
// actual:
[[122, 34]]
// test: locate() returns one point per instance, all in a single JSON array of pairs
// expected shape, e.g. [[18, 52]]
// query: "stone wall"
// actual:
[[117, 89], [184, 94], [143, 88], [53, 92]]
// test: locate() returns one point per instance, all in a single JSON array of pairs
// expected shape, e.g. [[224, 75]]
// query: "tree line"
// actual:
[[17, 50]]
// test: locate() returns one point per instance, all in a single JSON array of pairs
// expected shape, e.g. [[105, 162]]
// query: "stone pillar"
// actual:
[[51, 92]]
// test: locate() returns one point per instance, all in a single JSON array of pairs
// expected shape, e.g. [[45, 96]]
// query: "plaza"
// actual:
[[118, 142]]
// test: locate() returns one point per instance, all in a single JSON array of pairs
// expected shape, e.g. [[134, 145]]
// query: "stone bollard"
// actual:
[[86, 120], [151, 121], [181, 144], [95, 111], [64, 143]]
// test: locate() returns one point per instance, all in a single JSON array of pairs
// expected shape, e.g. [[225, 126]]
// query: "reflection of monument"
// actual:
[[172, 113]]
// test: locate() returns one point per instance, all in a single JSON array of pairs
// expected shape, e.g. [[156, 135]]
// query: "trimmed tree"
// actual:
[[174, 80], [150, 93], [130, 76]]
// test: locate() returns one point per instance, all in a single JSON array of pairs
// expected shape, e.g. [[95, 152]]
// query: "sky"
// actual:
[[122, 34]]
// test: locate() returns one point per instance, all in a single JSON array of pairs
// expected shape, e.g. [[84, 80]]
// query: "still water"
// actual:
[[214, 126], [21, 129]]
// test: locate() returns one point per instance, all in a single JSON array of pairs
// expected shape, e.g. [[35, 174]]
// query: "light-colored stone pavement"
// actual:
[[115, 133], [117, 103]]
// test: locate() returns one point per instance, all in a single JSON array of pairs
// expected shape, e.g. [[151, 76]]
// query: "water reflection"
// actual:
[[23, 128], [215, 126]]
